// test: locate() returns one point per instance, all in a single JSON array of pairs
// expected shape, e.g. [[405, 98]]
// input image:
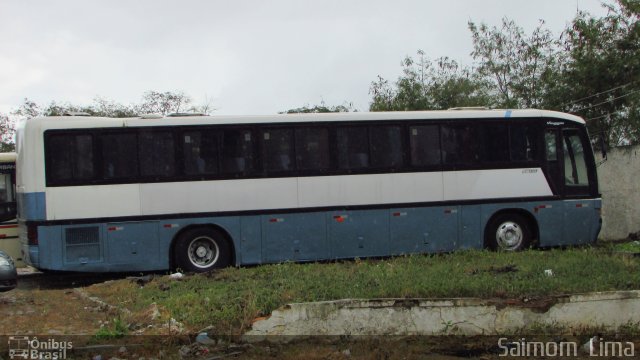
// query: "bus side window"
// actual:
[[156, 153], [200, 151], [70, 157], [460, 144], [312, 148], [424, 143], [353, 147], [119, 155], [523, 145], [237, 152], [277, 150], [386, 147], [550, 145], [495, 143]]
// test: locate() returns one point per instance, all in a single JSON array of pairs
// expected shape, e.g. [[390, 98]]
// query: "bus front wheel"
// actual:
[[508, 232], [202, 249]]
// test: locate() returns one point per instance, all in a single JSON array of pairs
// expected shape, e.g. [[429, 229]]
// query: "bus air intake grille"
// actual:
[[82, 245]]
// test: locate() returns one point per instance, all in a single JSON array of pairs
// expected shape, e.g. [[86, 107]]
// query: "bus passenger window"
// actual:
[[200, 149], [156, 154], [353, 148], [460, 144], [424, 141], [60, 163], [386, 146], [237, 152], [70, 157], [118, 155], [495, 143], [312, 148], [523, 143], [277, 150]]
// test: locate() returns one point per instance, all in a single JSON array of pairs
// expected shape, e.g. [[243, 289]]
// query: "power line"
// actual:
[[600, 117], [597, 94], [607, 101]]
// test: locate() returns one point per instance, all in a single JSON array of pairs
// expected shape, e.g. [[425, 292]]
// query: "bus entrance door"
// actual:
[[578, 209], [567, 173]]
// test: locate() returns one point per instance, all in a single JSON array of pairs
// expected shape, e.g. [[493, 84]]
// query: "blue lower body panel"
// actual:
[[305, 236]]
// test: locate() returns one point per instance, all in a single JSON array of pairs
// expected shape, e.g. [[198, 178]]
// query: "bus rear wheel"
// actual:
[[202, 249], [508, 232]]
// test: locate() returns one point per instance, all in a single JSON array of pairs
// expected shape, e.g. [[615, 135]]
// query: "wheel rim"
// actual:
[[203, 252], [509, 235]]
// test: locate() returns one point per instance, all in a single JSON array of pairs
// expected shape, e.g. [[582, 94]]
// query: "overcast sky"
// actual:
[[246, 57]]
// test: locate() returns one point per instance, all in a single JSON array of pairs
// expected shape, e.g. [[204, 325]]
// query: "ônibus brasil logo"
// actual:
[[25, 347]]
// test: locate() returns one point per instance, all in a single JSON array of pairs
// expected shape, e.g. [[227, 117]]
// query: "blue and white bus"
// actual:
[[203, 192]]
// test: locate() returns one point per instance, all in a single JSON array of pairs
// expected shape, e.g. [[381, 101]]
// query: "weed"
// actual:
[[630, 329], [632, 247], [449, 327], [118, 329]]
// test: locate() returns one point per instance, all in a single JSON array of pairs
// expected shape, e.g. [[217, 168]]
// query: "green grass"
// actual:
[[230, 298], [630, 246], [117, 329]]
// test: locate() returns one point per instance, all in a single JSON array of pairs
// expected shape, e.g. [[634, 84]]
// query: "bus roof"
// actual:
[[69, 122], [7, 157]]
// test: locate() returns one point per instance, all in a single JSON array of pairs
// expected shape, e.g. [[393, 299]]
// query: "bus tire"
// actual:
[[202, 249], [508, 232]]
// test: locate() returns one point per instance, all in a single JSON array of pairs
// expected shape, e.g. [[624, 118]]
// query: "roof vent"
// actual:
[[150, 116], [76, 113], [470, 108], [186, 114]]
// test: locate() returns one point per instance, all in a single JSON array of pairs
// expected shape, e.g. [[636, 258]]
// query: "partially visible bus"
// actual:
[[201, 192], [9, 242]]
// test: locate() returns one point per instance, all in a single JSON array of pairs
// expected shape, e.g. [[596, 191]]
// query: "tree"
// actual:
[[322, 108], [601, 77], [7, 131], [28, 109], [100, 107], [109, 108], [56, 109], [429, 85], [205, 107], [154, 102], [519, 68], [452, 86], [592, 70]]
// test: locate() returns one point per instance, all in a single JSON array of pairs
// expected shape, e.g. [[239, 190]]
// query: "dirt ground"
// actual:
[[69, 314], [52, 312]]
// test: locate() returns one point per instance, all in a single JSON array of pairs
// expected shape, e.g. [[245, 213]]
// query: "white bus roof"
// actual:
[[70, 122], [7, 157]]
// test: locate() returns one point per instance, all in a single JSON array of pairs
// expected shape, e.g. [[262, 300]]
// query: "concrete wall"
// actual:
[[467, 316], [619, 180]]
